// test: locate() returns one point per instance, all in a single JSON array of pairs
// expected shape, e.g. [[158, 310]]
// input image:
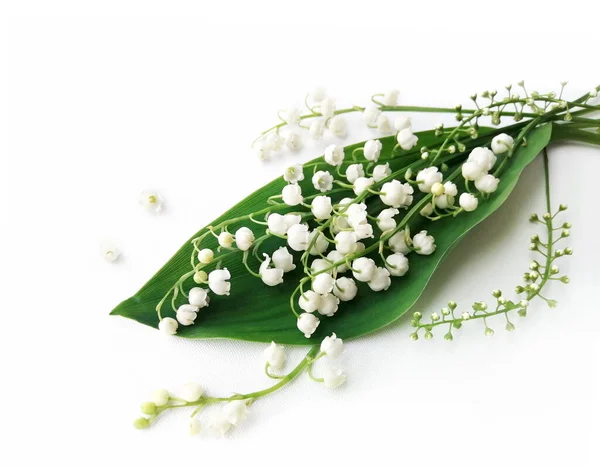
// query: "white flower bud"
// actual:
[[593, 93], [328, 107], [336, 256], [307, 324], [334, 155], [186, 314], [309, 301], [321, 207], [244, 237], [345, 288], [283, 259], [380, 280], [397, 194], [333, 378], [403, 122], [192, 392], [198, 297], [354, 171], [332, 346], [168, 326], [484, 157], [292, 195], [160, 397], [437, 189], [316, 129], [383, 125], [372, 150], [297, 237], [322, 181], [294, 173], [329, 305], [337, 125], [371, 114], [502, 143], [225, 239], [487, 184], [323, 283], [361, 184], [345, 242], [364, 268], [275, 356], [381, 171], [468, 202], [397, 264], [217, 281], [406, 139], [270, 276], [235, 411], [398, 244], [293, 142], [385, 219], [423, 243], [427, 177], [206, 256]]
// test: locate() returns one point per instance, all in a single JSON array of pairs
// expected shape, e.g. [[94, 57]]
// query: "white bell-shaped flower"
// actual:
[[361, 184], [354, 171], [218, 425], [397, 194], [427, 210], [363, 231], [198, 297], [380, 280], [307, 324], [336, 256], [327, 107], [356, 214], [160, 397], [398, 243], [279, 224], [329, 305], [502, 143], [168, 326], [385, 219], [151, 201], [345, 242], [225, 239], [322, 181], [372, 150], [444, 201], [291, 116], [390, 98], [275, 356], [334, 155], [282, 259], [381, 171], [270, 276], [186, 314], [274, 142], [363, 269], [345, 288], [406, 139], [244, 237], [205, 256], [423, 243], [297, 237], [192, 392], [427, 177], [333, 378], [402, 122], [309, 301], [218, 281], [319, 245], [383, 125], [293, 173], [317, 94], [332, 346], [293, 141], [323, 283], [487, 184], [235, 411], [483, 156], [397, 264], [450, 189], [321, 207], [371, 114], [316, 129], [291, 195], [338, 126], [472, 171], [319, 264], [468, 202]]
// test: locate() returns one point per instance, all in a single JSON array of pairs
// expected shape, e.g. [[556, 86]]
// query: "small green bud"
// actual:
[[510, 327], [428, 335], [501, 300], [568, 251], [559, 252], [547, 216], [535, 238], [565, 279], [563, 207], [552, 303], [414, 323], [566, 225], [451, 149], [200, 277], [554, 269], [535, 287], [534, 265], [417, 315], [445, 311], [523, 303], [425, 155], [435, 317], [522, 312], [448, 337], [534, 218], [534, 276], [474, 97], [414, 336], [489, 332], [141, 423], [496, 118], [533, 247], [565, 233], [408, 175], [496, 293], [519, 289], [444, 168], [465, 316], [568, 116], [452, 305], [457, 325], [148, 407]]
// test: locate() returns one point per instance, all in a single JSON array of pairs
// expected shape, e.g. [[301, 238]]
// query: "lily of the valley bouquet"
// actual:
[[344, 244]]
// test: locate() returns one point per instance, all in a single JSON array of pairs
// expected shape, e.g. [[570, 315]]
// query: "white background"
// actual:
[[103, 102]]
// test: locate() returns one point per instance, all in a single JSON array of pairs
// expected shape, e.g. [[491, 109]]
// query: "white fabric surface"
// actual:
[[102, 108]]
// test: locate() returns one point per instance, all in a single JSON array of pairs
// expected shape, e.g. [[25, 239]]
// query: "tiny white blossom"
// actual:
[[334, 155], [362, 231], [274, 142], [328, 107], [319, 264], [292, 116], [218, 282], [322, 181], [270, 276], [262, 150], [468, 202], [293, 174], [244, 237], [218, 425], [363, 269], [321, 207], [280, 224], [381, 171], [423, 243], [444, 201], [322, 283], [356, 214], [293, 141], [320, 244], [380, 280], [385, 219], [110, 252], [371, 114], [402, 122], [345, 242], [333, 378], [345, 288], [151, 201], [332, 346], [168, 326], [487, 184], [206, 256], [160, 397], [337, 125], [307, 324], [192, 392], [309, 301], [354, 171], [283, 259], [398, 243], [406, 139], [427, 177], [186, 314], [297, 237], [235, 411], [383, 125], [502, 143], [329, 305], [472, 171], [292, 195], [336, 256], [397, 264], [450, 188], [483, 156], [390, 98], [225, 239], [361, 184], [194, 426], [198, 297], [275, 356], [372, 150], [397, 194], [316, 129]]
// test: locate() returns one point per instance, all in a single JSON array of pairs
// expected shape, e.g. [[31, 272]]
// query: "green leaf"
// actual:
[[257, 312]]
